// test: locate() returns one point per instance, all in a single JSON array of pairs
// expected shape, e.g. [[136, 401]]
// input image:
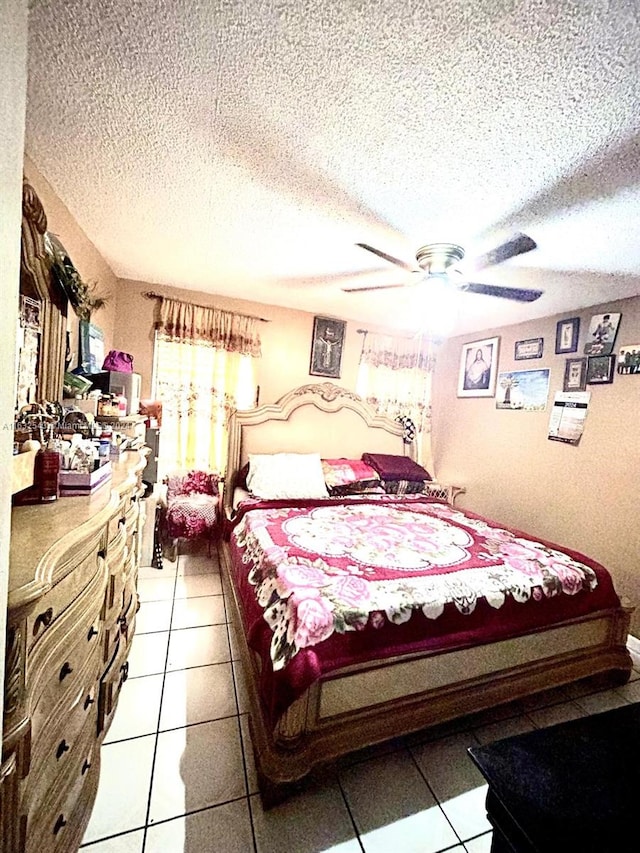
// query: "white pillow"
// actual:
[[286, 475]]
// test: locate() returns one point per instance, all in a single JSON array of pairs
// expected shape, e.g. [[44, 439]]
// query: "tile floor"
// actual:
[[177, 771]]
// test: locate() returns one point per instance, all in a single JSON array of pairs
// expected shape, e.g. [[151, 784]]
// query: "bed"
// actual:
[[366, 616]]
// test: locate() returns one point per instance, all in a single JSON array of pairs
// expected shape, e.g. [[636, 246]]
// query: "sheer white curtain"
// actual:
[[204, 369], [394, 377]]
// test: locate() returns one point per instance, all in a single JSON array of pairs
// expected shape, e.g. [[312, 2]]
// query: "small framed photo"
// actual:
[[602, 334], [600, 369], [575, 374], [478, 368], [531, 348], [567, 333], [30, 313], [629, 359], [326, 347]]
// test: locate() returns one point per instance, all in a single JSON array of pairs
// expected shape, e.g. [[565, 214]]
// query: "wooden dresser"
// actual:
[[70, 622]]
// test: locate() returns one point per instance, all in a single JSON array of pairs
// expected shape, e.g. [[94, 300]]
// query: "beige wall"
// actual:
[[286, 338], [585, 497], [13, 73], [86, 258]]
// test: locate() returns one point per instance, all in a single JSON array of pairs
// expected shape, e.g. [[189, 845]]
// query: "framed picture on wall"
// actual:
[[575, 374], [91, 355], [478, 368], [326, 347], [600, 369], [602, 334], [567, 333], [30, 313]]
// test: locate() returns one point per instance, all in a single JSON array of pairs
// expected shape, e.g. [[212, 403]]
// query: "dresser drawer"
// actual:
[[50, 826], [114, 677], [55, 668], [54, 603], [55, 752], [75, 704]]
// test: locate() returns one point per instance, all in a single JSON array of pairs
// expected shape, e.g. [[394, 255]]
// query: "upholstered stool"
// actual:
[[191, 508]]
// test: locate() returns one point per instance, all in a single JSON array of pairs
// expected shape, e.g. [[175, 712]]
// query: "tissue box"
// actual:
[[83, 483]]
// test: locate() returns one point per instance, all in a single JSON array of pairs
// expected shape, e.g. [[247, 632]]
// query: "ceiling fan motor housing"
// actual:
[[438, 257]]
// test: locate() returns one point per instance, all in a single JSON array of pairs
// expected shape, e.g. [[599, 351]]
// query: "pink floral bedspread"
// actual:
[[328, 583]]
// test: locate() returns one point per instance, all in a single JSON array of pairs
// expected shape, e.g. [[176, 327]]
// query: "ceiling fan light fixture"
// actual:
[[436, 258]]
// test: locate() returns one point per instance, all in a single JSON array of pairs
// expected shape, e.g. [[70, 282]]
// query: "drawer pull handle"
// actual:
[[63, 747], [124, 627], [93, 631], [65, 670], [85, 766], [44, 620], [59, 824], [88, 701]]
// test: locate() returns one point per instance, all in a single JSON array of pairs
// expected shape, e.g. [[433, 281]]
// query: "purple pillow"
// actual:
[[392, 467]]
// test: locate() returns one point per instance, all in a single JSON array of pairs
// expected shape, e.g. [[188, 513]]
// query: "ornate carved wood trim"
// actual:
[[36, 281]]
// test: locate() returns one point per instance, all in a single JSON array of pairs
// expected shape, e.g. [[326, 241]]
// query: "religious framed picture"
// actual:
[[326, 347], [575, 374], [478, 368], [602, 334], [567, 333], [600, 369]]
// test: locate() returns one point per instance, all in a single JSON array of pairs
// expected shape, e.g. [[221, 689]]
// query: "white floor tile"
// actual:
[[198, 564], [193, 586], [221, 829], [138, 708], [195, 612], [125, 780], [480, 845], [241, 687], [316, 820], [598, 702], [168, 570], [247, 748], [458, 785], [196, 767], [393, 807], [156, 589], [554, 714], [630, 691], [130, 842], [198, 647], [506, 728], [153, 616], [197, 695], [148, 654]]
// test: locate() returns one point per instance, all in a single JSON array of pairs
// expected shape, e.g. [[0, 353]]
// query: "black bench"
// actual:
[[570, 788]]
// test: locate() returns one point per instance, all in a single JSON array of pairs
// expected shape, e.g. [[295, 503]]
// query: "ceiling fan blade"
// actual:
[[516, 293], [386, 257], [373, 287], [516, 245]]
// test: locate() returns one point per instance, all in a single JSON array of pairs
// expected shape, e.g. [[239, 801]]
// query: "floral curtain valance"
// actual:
[[182, 322]]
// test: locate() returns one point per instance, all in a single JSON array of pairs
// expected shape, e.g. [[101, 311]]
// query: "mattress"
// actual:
[[337, 582]]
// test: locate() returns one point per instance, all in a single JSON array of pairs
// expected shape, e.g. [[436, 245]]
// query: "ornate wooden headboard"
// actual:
[[317, 418]]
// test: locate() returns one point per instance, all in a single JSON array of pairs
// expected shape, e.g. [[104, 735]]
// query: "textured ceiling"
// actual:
[[244, 148]]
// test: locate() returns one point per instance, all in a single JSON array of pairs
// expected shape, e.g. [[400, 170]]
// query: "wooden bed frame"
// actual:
[[364, 704]]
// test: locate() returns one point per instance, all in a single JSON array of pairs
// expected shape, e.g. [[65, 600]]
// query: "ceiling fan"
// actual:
[[437, 261]]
